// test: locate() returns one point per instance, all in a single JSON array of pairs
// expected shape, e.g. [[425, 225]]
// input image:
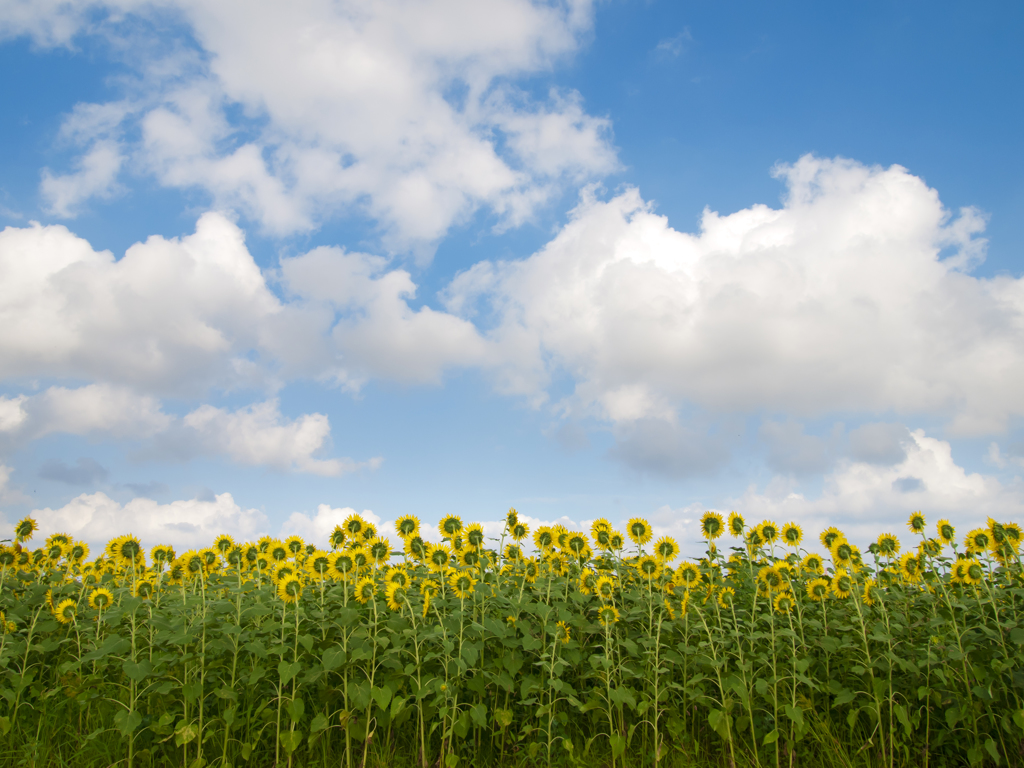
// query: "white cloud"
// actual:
[[9, 495], [862, 498], [403, 110], [317, 529], [96, 518], [841, 300], [96, 176]]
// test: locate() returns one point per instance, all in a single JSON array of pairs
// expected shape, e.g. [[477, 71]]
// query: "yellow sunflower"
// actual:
[[648, 567], [417, 548], [450, 526], [813, 563], [842, 584], [562, 632], [872, 594], [519, 531], [379, 550], [792, 534], [829, 536], [543, 538], [438, 557], [639, 531], [910, 568], [395, 594], [462, 584], [607, 614], [818, 589], [977, 541], [475, 535], [101, 598], [513, 552], [888, 545], [769, 531], [711, 525], [25, 528], [726, 597], [916, 522], [65, 611], [973, 573], [289, 589], [946, 531], [736, 524], [616, 541], [365, 590], [604, 587], [687, 575], [666, 549], [337, 537], [784, 602], [407, 525]]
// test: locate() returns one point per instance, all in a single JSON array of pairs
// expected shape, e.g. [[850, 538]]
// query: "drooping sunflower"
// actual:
[[829, 535], [65, 611], [977, 541], [726, 596], [784, 602], [562, 632], [438, 557], [25, 528], [888, 545], [607, 614], [101, 598], [711, 525], [475, 535], [792, 534], [916, 522], [450, 526], [842, 584], [407, 525], [818, 589], [365, 590], [1013, 533], [639, 531], [946, 531], [462, 584], [769, 531], [666, 549], [395, 595], [736, 524]]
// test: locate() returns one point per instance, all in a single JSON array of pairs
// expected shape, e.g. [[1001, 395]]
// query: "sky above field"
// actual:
[[263, 263]]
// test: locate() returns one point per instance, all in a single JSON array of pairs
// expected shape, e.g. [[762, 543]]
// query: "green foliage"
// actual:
[[568, 658]]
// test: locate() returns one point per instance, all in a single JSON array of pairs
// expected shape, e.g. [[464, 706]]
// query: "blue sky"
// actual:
[[584, 259]]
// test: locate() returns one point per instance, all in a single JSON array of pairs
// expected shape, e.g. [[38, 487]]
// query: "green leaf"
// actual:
[[137, 671], [451, 760], [287, 671], [990, 747], [126, 721], [1017, 635], [795, 714], [296, 709], [618, 744], [771, 738], [290, 740], [333, 658], [479, 714], [185, 733], [382, 696], [319, 723]]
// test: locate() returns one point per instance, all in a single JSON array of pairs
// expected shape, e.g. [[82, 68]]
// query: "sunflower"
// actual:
[[65, 611], [417, 548], [450, 526], [359, 556], [470, 558], [872, 594], [8, 556], [100, 598], [282, 571], [607, 614], [769, 531], [438, 557], [587, 582], [772, 578], [726, 596], [289, 589], [161, 554], [380, 550], [812, 563], [354, 525], [753, 539], [888, 544], [842, 584], [977, 541], [817, 589], [511, 518], [639, 531], [687, 575], [365, 590], [211, 560], [916, 522], [930, 548], [616, 541], [395, 596], [369, 531], [562, 632], [319, 563], [427, 589], [792, 534], [543, 538], [604, 587], [973, 573], [1012, 531], [144, 588], [602, 537], [736, 524], [784, 602], [842, 552], [669, 610], [649, 567], [556, 563], [55, 551], [295, 546], [577, 544], [342, 564], [519, 531], [910, 568], [475, 535], [601, 524], [223, 543], [829, 535], [711, 525], [337, 537], [462, 584], [531, 570], [407, 525], [25, 528], [561, 536], [666, 549], [946, 531], [513, 552], [277, 551]]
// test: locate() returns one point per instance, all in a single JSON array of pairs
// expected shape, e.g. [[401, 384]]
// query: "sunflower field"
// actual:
[[564, 647]]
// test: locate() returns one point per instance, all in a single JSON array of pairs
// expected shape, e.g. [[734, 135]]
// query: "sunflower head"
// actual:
[[519, 531], [416, 547], [813, 563], [602, 537], [65, 611], [771, 577], [513, 552], [365, 590], [736, 524], [562, 632], [577, 544], [289, 589], [842, 584], [726, 596], [144, 588], [872, 594], [666, 549], [648, 567], [711, 525], [604, 587], [337, 537], [25, 528], [543, 538], [511, 518], [792, 534], [687, 575], [369, 531], [916, 522], [588, 582], [450, 526], [475, 535], [8, 556], [101, 598], [888, 545], [616, 541], [769, 531], [407, 525], [470, 558], [354, 525], [607, 614], [223, 543], [462, 583], [342, 565], [784, 602], [639, 531], [1012, 531], [829, 535], [438, 557], [319, 563], [973, 573], [818, 589], [946, 531], [380, 550], [842, 552], [395, 596], [978, 540]]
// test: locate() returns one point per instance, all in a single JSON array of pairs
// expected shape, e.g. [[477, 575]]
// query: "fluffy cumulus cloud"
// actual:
[[96, 518], [402, 110], [860, 497], [855, 295]]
